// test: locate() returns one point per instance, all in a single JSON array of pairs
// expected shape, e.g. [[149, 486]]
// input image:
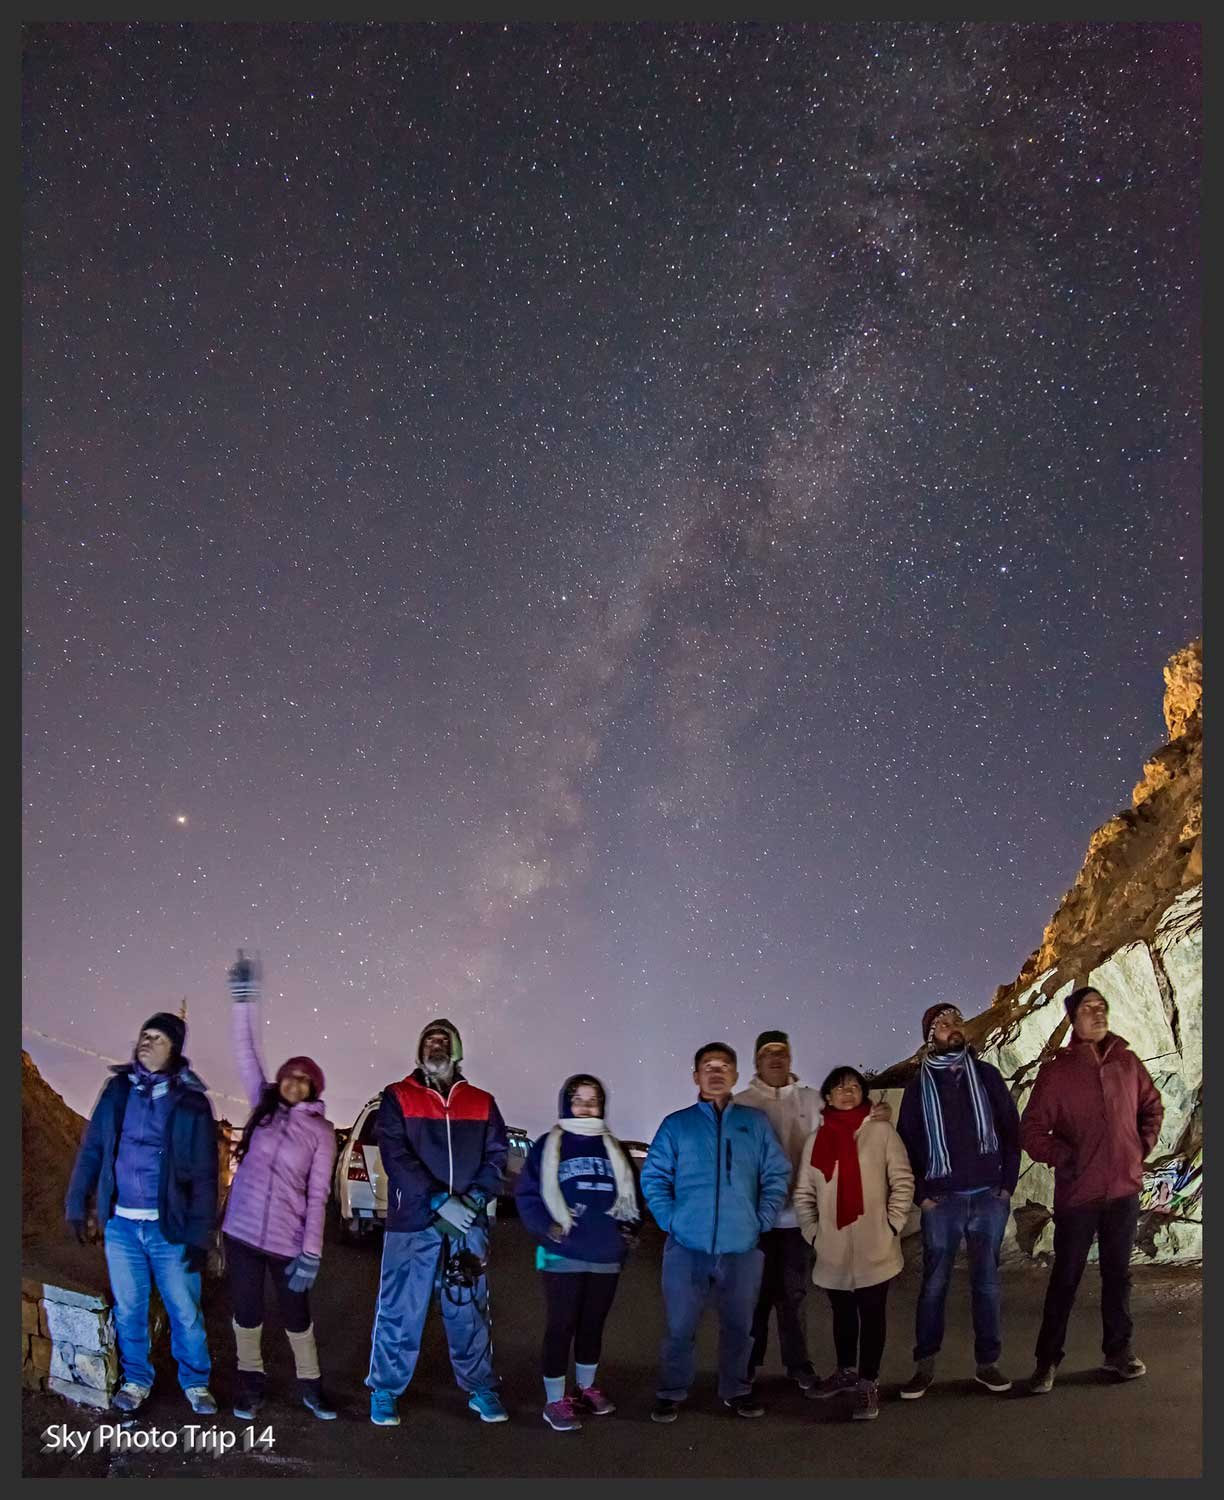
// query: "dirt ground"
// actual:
[[1088, 1427]]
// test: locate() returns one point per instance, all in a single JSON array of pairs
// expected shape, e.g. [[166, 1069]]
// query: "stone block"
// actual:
[[99, 1370], [83, 1395], [30, 1316], [40, 1354], [83, 1327]]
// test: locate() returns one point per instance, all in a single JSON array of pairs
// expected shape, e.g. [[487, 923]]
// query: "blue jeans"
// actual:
[[411, 1273], [690, 1277], [981, 1219], [137, 1255]]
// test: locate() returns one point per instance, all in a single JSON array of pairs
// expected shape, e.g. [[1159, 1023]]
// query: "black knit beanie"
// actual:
[[770, 1038], [170, 1026]]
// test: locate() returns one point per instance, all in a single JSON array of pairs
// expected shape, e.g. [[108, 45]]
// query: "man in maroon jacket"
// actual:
[[1094, 1116]]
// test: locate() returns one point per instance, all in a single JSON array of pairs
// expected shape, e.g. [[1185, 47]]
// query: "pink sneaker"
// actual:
[[593, 1402], [561, 1416]]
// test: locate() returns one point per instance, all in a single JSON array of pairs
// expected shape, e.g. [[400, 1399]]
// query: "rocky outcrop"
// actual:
[[50, 1135], [1131, 925]]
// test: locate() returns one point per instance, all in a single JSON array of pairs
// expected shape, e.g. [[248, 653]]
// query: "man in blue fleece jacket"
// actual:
[[714, 1178]]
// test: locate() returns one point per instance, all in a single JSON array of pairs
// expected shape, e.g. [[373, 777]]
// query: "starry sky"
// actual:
[[622, 535]]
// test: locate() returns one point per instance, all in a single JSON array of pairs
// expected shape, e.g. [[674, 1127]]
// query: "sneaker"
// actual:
[[866, 1402], [665, 1411], [806, 1378], [314, 1400], [488, 1407], [1125, 1367], [837, 1384], [250, 1394], [1041, 1381], [745, 1406], [561, 1416], [201, 1401], [920, 1381], [593, 1403], [129, 1396], [992, 1378], [383, 1412]]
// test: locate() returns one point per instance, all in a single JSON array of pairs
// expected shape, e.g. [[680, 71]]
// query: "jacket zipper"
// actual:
[[263, 1236], [450, 1155], [718, 1114]]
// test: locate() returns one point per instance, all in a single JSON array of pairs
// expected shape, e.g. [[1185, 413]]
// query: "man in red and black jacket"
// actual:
[[443, 1146]]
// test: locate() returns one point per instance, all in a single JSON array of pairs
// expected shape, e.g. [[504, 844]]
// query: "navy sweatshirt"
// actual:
[[971, 1170], [589, 1188]]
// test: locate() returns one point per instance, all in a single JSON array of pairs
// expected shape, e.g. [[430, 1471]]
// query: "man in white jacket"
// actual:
[[793, 1109]]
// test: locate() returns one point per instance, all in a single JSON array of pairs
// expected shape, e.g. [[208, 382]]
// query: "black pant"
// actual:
[[578, 1305], [246, 1269], [859, 1328], [1113, 1225], [784, 1284]]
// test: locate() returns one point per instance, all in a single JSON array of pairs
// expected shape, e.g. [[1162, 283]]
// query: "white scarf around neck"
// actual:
[[624, 1209]]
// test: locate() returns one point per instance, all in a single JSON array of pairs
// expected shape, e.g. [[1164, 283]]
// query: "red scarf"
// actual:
[[835, 1146]]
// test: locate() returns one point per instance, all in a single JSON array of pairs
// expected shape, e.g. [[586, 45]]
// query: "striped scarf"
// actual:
[[932, 1115]]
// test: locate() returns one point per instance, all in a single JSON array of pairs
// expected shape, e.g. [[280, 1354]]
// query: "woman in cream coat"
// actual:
[[852, 1195]]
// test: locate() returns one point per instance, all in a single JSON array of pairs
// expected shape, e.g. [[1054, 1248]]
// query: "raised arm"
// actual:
[[244, 993]]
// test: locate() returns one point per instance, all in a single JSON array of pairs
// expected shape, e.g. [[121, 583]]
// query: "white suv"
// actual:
[[361, 1183]]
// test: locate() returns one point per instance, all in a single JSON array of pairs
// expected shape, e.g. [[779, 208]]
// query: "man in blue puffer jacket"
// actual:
[[714, 1178], [443, 1146], [149, 1157]]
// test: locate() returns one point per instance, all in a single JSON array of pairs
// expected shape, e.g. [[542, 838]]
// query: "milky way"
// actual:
[[620, 535]]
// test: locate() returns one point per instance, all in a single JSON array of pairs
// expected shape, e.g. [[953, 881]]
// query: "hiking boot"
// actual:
[[745, 1406], [1125, 1367], [249, 1397], [314, 1400], [561, 1416], [920, 1381], [836, 1384], [992, 1378], [593, 1403], [129, 1396], [665, 1411], [1041, 1381], [201, 1401], [866, 1402], [488, 1406], [806, 1378], [382, 1409]]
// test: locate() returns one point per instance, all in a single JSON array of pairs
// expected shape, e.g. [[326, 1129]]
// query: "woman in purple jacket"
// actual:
[[277, 1202]]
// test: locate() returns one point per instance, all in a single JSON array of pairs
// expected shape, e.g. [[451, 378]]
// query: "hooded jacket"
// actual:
[[867, 1250], [588, 1186], [715, 1180], [794, 1113], [1094, 1116], [433, 1143], [187, 1158], [278, 1199]]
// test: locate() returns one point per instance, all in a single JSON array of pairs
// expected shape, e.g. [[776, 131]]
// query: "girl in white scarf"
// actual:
[[581, 1203]]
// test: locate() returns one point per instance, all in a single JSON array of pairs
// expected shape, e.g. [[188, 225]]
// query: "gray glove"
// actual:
[[456, 1213], [302, 1272]]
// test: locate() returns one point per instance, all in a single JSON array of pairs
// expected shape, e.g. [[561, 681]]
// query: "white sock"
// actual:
[[554, 1389], [585, 1375]]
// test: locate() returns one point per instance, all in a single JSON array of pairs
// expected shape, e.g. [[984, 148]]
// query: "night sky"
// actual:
[[620, 535]]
